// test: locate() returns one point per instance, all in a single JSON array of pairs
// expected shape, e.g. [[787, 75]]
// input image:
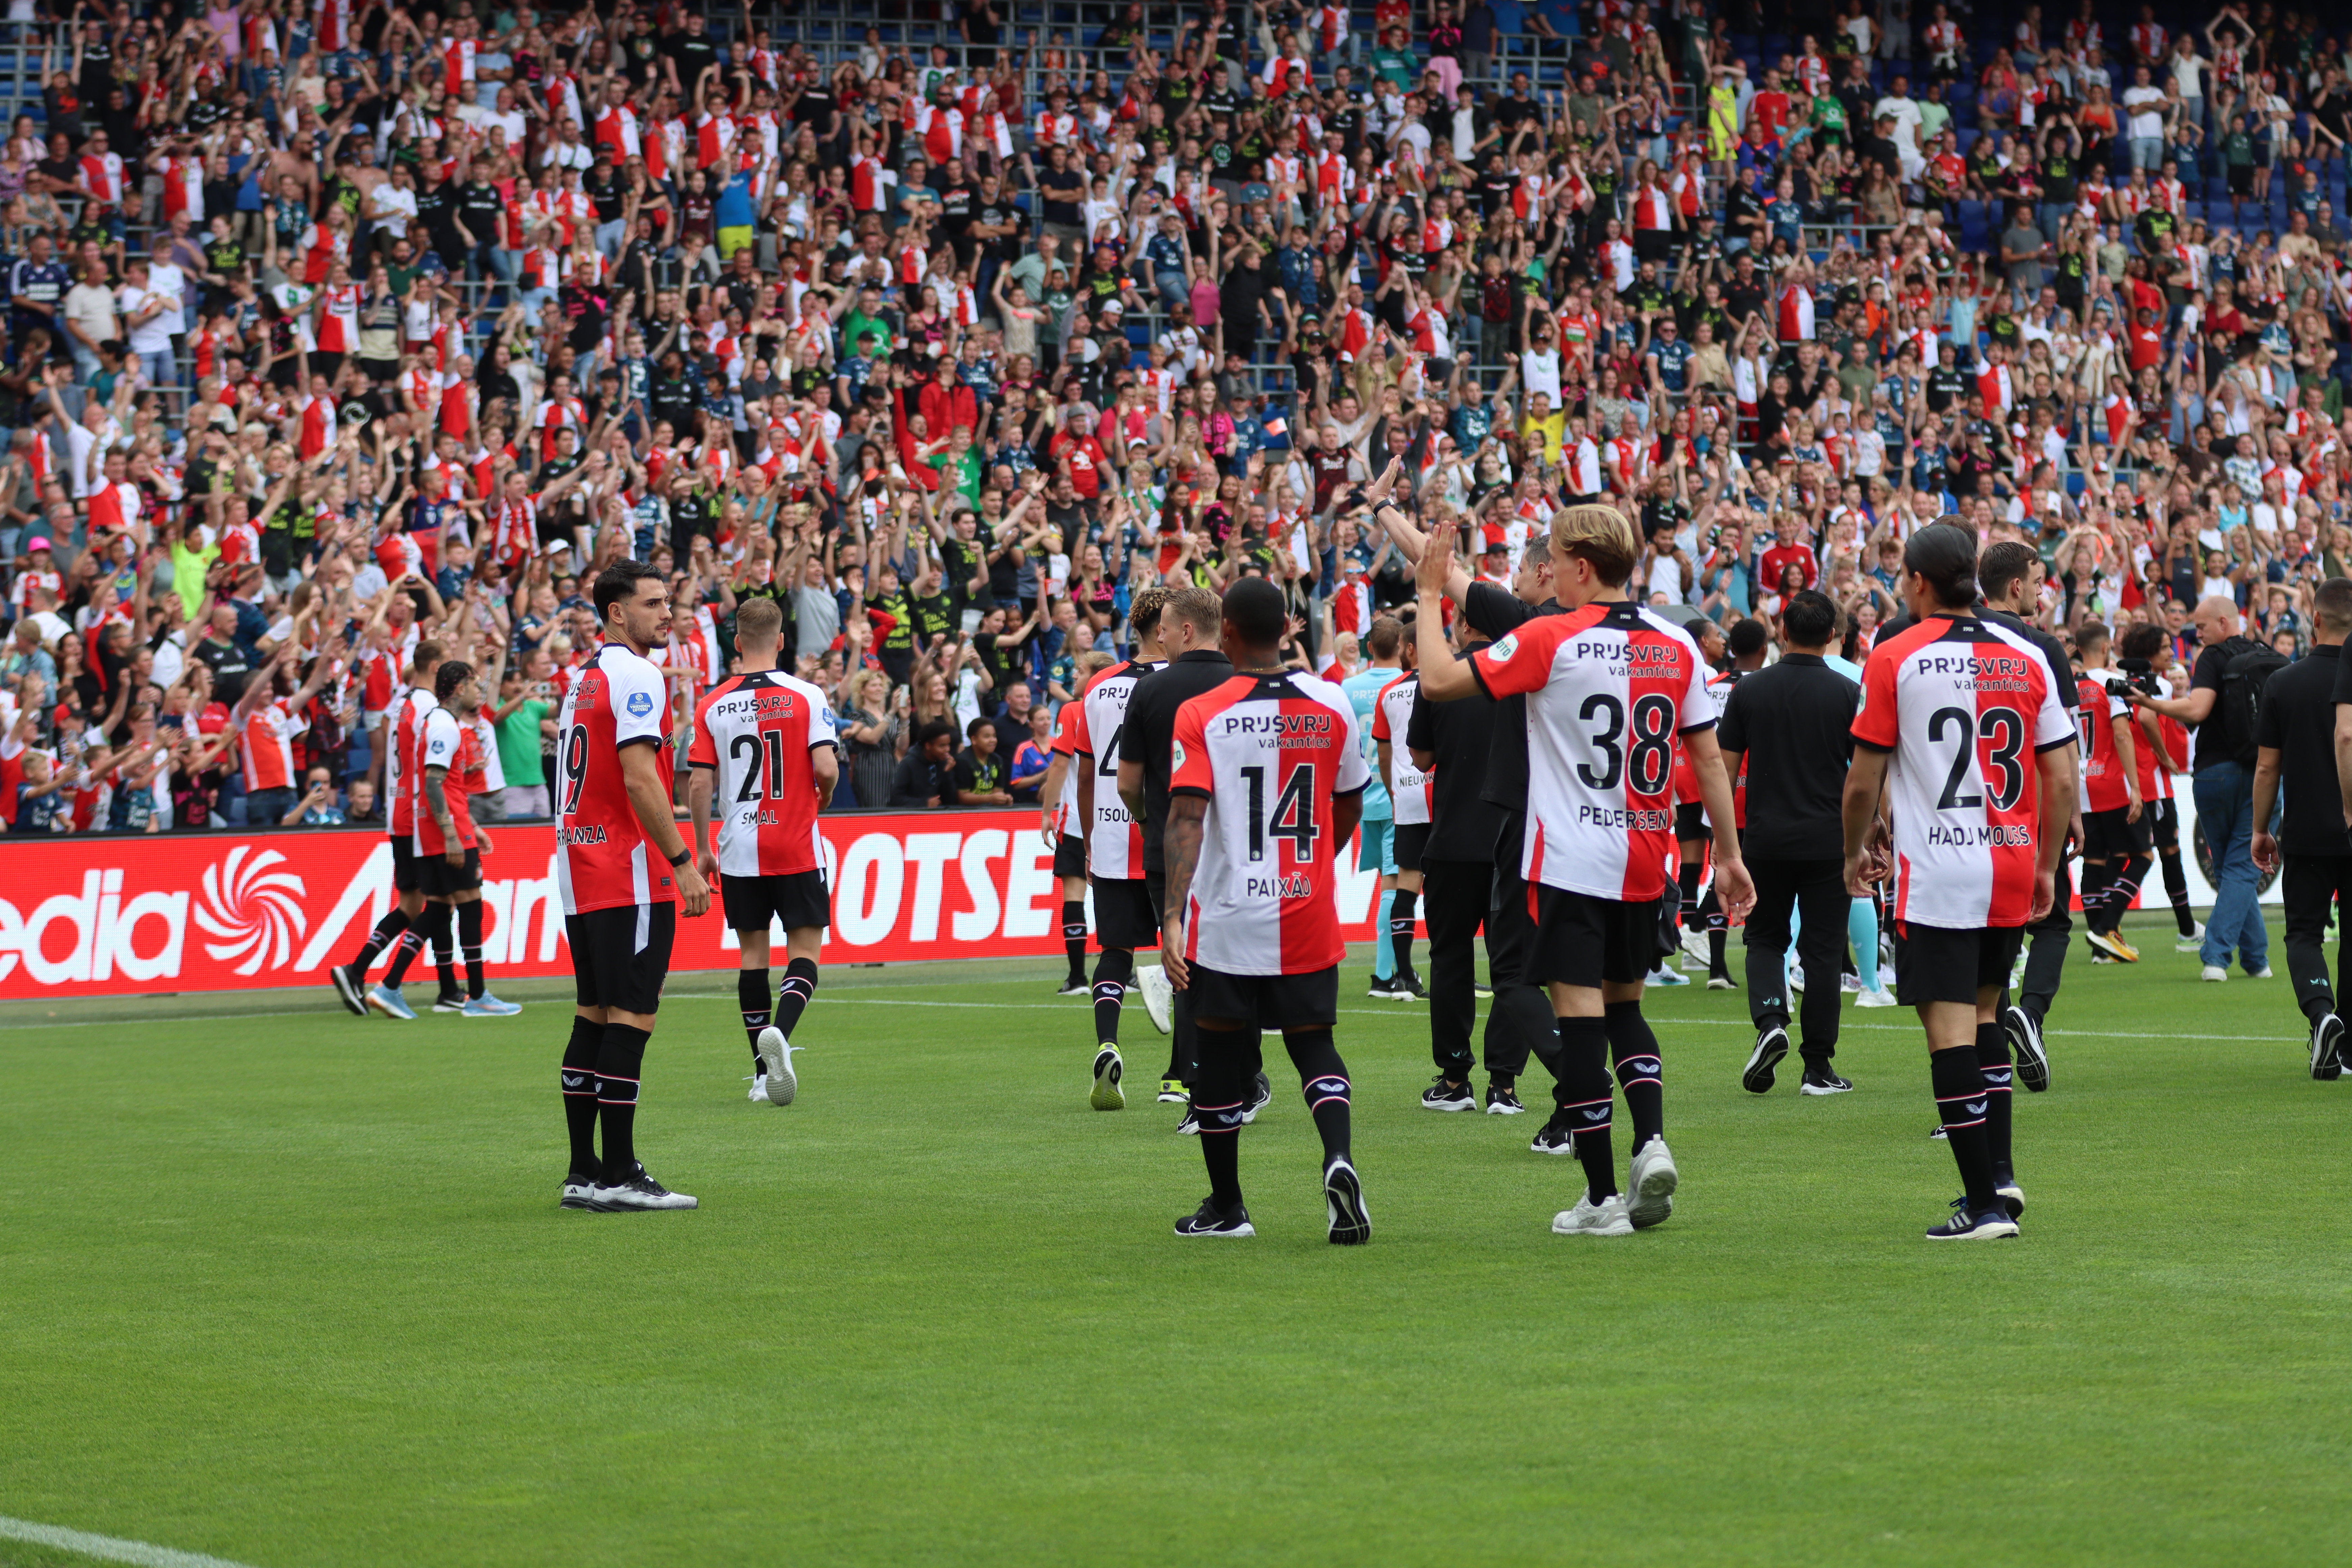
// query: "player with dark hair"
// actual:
[[2144, 654], [1746, 642], [1268, 772], [1962, 723], [1057, 820], [1125, 916], [2115, 830], [403, 727], [622, 870], [763, 745], [450, 847]]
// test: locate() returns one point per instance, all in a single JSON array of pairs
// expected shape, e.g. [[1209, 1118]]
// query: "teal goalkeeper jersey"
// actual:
[[1363, 689]]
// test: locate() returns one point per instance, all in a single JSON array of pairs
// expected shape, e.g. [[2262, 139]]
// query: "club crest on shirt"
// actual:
[[1176, 756], [640, 704], [1503, 650]]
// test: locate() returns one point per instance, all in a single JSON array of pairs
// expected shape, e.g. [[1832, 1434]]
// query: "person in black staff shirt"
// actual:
[[1456, 874], [926, 775], [1189, 626], [2225, 792], [1792, 726], [1520, 1021], [2299, 740]]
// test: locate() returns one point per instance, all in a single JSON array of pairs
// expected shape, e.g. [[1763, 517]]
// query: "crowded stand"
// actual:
[[339, 331]]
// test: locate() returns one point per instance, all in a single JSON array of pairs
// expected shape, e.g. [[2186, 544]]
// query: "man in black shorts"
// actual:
[[1190, 625], [350, 980], [449, 846], [1056, 815]]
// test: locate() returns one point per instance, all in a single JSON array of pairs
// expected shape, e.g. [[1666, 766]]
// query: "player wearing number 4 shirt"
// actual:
[[1611, 690], [1266, 776], [1125, 918], [622, 869], [1962, 727], [763, 745], [450, 847], [1411, 797]]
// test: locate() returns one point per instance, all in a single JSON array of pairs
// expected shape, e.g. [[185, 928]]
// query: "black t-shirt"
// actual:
[[481, 206], [2298, 718], [2211, 743], [1150, 733], [1493, 613], [1463, 825], [920, 781], [1063, 191], [692, 53], [1794, 720]]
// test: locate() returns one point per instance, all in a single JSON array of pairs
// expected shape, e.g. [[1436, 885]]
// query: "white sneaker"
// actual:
[[1159, 996], [1881, 998], [1850, 984], [2193, 941], [776, 1055], [1662, 976], [1696, 947], [2213, 972], [2262, 974], [760, 1088], [1606, 1217], [1653, 1178]]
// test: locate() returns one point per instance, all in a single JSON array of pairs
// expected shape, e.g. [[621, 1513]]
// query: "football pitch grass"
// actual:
[[290, 1288]]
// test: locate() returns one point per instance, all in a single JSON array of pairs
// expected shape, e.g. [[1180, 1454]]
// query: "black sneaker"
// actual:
[[636, 1192], [1555, 1136], [1407, 987], [2024, 1032], [1343, 1195], [2328, 1048], [1383, 990], [348, 990], [1209, 1220], [1772, 1045], [1260, 1091], [1720, 979], [449, 1002], [2011, 1195], [578, 1192], [1443, 1096], [1504, 1100], [1992, 1225], [1822, 1080], [1190, 1126], [1075, 985]]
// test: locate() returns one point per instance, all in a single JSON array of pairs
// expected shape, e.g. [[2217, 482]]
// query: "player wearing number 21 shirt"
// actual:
[[1963, 732], [622, 869], [763, 747], [1612, 692], [1265, 780]]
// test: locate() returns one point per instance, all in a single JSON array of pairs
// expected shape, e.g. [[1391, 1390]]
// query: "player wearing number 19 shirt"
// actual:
[[1963, 728], [620, 868], [763, 745], [1266, 776], [1612, 690]]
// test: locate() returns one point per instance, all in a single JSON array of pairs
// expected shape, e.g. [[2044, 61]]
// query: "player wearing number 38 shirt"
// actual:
[[1612, 692], [1964, 734], [1266, 773], [763, 748]]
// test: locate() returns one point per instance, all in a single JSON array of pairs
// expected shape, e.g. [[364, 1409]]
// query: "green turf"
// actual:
[[294, 1291]]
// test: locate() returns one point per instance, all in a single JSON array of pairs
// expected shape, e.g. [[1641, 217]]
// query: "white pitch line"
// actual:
[[107, 1546]]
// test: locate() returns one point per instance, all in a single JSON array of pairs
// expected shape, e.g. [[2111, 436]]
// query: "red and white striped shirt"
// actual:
[[456, 748], [401, 770], [1611, 688], [1412, 792], [1114, 839], [1965, 705], [1269, 752], [755, 732], [264, 746], [601, 859]]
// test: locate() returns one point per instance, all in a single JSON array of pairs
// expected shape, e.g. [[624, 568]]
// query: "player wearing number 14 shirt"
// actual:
[[1266, 775], [1612, 692], [763, 748], [1965, 734]]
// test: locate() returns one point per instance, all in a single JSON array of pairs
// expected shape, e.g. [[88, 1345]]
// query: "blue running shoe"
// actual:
[[387, 1000], [489, 1006]]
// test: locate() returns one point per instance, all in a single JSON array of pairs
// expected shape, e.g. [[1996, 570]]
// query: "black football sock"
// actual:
[[751, 1000], [1401, 918], [469, 948], [439, 920], [412, 943], [2091, 878], [1183, 1042], [1962, 1103], [1633, 1046], [1718, 931], [792, 996], [2125, 887], [1221, 1094], [1587, 1097], [1686, 881], [1992, 1059], [2176, 889], [619, 1061], [1323, 1079], [579, 1079], [387, 931], [1074, 935], [1112, 972]]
